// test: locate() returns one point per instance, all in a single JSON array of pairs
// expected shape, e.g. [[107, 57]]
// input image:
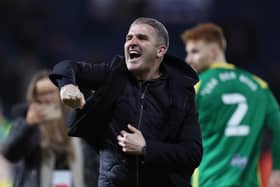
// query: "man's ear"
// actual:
[[161, 50], [214, 52]]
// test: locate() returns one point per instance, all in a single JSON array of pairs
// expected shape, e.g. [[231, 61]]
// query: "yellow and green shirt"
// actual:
[[234, 107]]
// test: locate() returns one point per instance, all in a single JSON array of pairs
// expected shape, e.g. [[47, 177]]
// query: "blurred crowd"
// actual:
[[39, 34]]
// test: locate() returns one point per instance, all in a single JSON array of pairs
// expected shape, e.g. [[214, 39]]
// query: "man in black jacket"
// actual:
[[141, 117]]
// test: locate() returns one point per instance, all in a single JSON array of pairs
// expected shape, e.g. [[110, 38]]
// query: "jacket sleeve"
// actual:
[[186, 152], [21, 141], [85, 75]]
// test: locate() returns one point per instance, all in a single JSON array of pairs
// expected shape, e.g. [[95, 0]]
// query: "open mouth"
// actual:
[[133, 54]]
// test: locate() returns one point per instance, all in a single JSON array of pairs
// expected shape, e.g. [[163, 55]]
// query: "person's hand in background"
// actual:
[[35, 114]]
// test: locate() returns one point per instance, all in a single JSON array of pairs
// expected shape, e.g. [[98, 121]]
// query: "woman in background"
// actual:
[[39, 141]]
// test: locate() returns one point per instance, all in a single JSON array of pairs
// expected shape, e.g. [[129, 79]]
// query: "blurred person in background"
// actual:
[[38, 140], [5, 172], [142, 117], [5, 125], [234, 107], [5, 167]]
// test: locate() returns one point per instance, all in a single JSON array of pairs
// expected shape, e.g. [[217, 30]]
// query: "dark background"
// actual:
[[37, 34]]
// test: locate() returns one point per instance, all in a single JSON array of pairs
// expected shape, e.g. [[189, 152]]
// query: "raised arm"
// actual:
[[71, 76], [83, 74]]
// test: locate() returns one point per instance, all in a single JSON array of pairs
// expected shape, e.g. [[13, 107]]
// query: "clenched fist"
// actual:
[[72, 96]]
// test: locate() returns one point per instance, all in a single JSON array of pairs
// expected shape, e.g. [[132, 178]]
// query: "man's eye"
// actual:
[[141, 37]]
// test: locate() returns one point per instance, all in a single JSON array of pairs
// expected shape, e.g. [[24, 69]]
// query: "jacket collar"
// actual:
[[180, 73]]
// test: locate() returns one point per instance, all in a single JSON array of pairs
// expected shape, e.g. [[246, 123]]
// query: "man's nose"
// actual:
[[134, 41]]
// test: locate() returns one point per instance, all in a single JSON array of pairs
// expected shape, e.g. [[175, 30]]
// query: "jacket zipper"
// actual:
[[139, 127]]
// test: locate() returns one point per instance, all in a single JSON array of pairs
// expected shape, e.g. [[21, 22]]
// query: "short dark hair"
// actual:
[[162, 32], [208, 32]]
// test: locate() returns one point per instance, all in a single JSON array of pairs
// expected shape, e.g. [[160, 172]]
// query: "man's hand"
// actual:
[[274, 180], [72, 96], [132, 142]]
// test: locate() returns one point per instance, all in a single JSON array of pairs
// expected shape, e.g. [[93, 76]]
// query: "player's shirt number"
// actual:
[[234, 126]]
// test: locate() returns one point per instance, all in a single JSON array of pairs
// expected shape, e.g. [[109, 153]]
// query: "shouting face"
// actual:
[[143, 51]]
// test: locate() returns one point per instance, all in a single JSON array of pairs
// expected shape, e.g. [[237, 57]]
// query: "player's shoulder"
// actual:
[[261, 82], [226, 72], [208, 80], [258, 80]]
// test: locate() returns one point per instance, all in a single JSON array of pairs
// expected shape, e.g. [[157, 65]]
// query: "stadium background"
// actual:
[[37, 34]]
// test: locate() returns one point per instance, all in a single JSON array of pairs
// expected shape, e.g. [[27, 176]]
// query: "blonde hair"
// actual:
[[54, 137]]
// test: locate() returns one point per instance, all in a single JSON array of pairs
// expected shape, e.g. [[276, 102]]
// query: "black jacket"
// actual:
[[23, 148], [171, 154], [23, 145]]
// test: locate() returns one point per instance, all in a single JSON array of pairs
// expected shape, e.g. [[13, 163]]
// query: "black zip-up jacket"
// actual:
[[163, 109]]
